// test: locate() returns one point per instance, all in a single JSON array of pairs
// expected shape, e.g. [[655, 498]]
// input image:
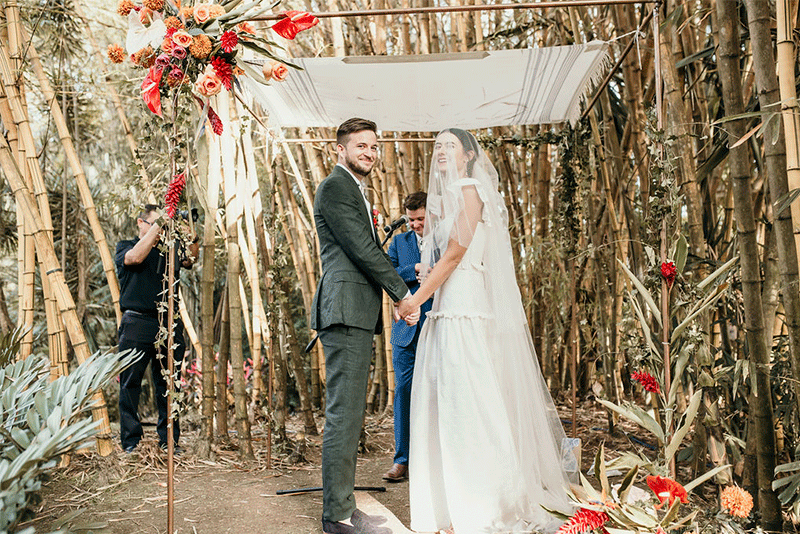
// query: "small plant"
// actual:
[[41, 420]]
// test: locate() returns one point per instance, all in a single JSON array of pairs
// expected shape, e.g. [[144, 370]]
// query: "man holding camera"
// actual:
[[141, 268]]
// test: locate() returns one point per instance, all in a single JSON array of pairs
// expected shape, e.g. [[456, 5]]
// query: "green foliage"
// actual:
[[40, 420]]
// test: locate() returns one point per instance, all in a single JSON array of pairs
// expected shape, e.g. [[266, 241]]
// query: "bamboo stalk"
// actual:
[[233, 212], [47, 255], [790, 109], [80, 178]]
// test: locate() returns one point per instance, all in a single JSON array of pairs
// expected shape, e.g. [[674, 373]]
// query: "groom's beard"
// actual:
[[358, 167]]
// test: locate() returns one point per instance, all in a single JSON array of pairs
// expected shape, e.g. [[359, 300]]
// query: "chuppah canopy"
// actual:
[[435, 91]]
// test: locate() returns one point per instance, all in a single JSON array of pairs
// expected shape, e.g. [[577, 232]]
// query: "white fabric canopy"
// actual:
[[436, 91]]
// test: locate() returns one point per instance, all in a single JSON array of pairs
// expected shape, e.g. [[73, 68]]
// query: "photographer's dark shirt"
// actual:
[[141, 285]]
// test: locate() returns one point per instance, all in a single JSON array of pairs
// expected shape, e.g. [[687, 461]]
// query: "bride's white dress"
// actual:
[[482, 454]]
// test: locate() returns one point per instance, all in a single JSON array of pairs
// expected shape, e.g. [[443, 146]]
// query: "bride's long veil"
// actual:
[[544, 452]]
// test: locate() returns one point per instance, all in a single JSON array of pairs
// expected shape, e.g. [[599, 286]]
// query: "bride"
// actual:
[[487, 448]]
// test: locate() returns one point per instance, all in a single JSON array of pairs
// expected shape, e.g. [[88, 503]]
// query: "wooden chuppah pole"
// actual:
[[560, 4]]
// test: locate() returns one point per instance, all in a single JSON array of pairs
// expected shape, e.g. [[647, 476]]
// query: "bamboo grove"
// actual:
[[591, 208]]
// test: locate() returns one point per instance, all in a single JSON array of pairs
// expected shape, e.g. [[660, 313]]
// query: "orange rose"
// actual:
[[182, 38], [167, 45], [208, 84], [279, 71], [202, 12]]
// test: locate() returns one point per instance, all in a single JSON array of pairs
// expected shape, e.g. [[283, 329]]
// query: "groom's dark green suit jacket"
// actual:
[[354, 267]]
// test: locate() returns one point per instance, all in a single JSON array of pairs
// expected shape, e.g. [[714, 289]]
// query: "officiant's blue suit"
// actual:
[[404, 253]]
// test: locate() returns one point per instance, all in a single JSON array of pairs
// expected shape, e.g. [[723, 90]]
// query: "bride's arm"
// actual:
[[464, 229]]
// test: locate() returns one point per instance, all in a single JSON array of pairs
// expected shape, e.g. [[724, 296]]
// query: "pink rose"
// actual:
[[208, 84], [182, 38], [178, 52], [275, 70], [202, 12]]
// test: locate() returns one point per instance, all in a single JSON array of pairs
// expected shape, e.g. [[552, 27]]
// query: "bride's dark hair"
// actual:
[[469, 142]]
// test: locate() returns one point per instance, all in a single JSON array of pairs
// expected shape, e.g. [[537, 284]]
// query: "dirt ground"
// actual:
[[124, 494]]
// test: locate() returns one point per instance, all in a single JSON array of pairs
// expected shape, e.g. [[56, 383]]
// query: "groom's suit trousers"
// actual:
[[348, 352]]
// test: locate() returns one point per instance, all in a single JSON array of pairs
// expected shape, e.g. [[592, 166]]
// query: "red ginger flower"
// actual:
[[228, 41], [669, 272], [584, 520], [294, 23], [647, 381], [173, 196], [736, 501], [216, 122], [667, 490], [223, 71]]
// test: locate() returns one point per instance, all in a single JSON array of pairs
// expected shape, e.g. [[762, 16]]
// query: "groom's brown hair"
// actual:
[[351, 126]]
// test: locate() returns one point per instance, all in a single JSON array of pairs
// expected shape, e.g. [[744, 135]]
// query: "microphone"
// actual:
[[396, 224]]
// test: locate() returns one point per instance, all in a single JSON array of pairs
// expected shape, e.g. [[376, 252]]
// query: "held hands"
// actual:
[[405, 310]]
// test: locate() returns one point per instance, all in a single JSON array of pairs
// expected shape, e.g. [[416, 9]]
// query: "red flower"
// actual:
[[584, 520], [294, 23], [223, 71], [375, 217], [150, 92], [647, 380], [173, 196], [216, 122], [228, 41], [666, 490], [669, 272]]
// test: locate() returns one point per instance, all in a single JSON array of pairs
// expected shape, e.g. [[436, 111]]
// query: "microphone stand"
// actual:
[[391, 231]]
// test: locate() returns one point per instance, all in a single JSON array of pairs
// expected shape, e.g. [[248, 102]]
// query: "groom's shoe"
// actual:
[[337, 527], [365, 521], [397, 473]]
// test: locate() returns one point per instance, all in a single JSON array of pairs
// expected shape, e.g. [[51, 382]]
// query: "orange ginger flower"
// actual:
[[174, 22], [115, 53], [200, 47], [667, 490], [736, 501], [124, 7], [155, 5], [187, 12]]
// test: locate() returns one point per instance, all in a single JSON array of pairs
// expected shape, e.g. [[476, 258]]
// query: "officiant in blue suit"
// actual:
[[405, 255]]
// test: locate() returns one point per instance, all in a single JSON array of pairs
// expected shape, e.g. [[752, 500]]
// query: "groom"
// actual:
[[347, 313]]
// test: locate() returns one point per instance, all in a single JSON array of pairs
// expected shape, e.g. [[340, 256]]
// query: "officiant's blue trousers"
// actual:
[[403, 362], [348, 354]]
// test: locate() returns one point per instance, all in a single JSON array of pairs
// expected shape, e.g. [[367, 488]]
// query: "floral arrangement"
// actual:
[[195, 48]]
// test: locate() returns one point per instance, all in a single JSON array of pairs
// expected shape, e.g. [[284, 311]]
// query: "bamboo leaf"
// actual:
[[785, 201], [713, 276], [600, 471], [643, 323], [784, 468], [748, 135], [627, 483], [705, 476], [681, 253], [638, 416], [645, 294], [672, 513], [706, 303], [689, 415]]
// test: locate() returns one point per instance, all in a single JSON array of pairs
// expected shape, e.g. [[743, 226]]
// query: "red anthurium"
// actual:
[[150, 93], [294, 23], [667, 490]]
